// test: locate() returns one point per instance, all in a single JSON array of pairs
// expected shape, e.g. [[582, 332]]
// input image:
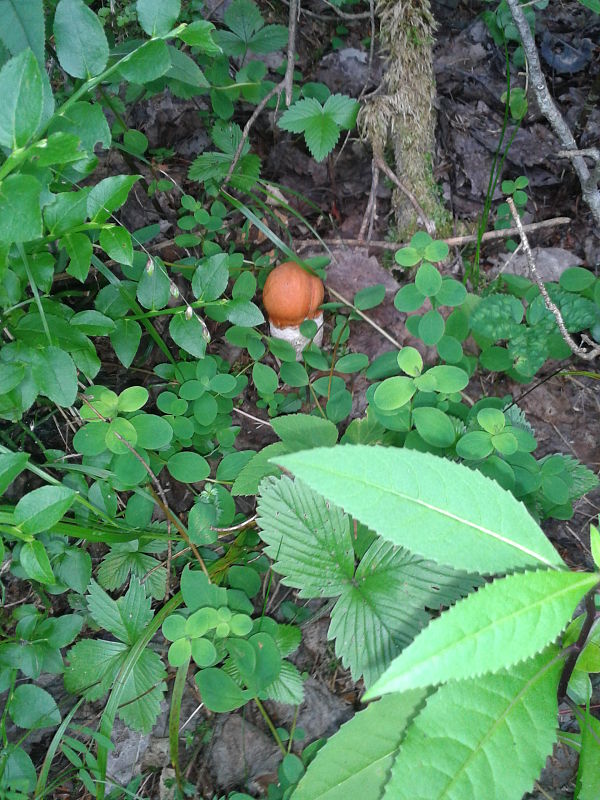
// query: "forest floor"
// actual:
[[235, 750]]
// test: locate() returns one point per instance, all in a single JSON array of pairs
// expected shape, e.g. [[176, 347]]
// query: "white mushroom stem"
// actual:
[[296, 339]]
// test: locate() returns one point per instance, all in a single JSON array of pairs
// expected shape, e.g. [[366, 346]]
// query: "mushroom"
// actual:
[[291, 296]]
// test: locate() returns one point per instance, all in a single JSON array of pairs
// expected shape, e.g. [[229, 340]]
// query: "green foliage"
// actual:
[[368, 627], [320, 124], [483, 673], [87, 306]]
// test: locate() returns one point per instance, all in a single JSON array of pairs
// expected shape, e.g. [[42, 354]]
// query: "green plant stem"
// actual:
[[174, 716], [293, 729], [40, 787], [270, 725], [575, 649], [34, 289], [78, 499]]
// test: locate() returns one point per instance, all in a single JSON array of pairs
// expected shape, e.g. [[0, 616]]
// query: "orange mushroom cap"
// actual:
[[292, 295]]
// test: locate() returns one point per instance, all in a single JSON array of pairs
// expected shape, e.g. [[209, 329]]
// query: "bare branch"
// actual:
[[288, 79], [589, 187], [588, 355], [453, 241]]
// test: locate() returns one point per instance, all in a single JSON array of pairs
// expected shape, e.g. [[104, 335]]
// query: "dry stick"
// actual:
[[248, 127], [429, 224], [252, 417], [371, 209], [589, 187], [587, 355], [451, 242], [288, 78], [379, 329]]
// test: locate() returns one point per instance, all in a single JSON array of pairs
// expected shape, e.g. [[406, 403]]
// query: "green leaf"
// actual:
[[244, 313], [93, 667], [295, 523], [32, 707], [355, 762], [210, 279], [190, 334], [342, 109], [154, 287], [79, 249], [199, 34], [431, 327], [56, 376], [81, 45], [125, 339], [11, 466], [394, 393], [126, 617], [407, 257], [258, 468], [153, 432], [320, 129], [147, 63], [219, 692], [22, 27], [35, 562], [442, 510], [588, 773], [133, 398], [369, 297], [435, 427], [264, 378], [109, 195], [594, 538], [20, 214], [116, 243], [157, 17], [42, 508], [457, 747], [302, 431], [184, 69], [19, 771], [428, 280], [507, 621], [410, 361], [21, 100], [370, 631], [188, 467], [448, 379]]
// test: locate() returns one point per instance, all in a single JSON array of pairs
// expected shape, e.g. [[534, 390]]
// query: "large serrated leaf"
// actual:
[[356, 761], [483, 738], [439, 509], [381, 611], [508, 621], [381, 607], [308, 539]]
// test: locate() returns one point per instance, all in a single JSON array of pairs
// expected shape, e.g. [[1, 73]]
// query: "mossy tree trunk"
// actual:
[[400, 118]]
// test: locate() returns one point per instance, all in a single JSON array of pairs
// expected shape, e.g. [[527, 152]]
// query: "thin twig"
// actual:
[[248, 127], [589, 188], [374, 325], [252, 417], [453, 241], [429, 223], [587, 355], [241, 526], [371, 209], [288, 78]]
